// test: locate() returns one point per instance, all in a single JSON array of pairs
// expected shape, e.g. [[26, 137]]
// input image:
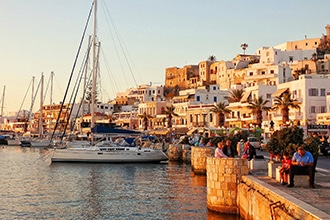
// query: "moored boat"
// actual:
[[119, 146], [109, 155]]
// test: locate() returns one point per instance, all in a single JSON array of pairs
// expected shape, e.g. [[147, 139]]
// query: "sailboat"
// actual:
[[120, 145], [42, 140]]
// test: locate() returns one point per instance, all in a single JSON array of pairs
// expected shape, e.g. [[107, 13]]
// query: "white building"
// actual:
[[311, 92], [143, 93]]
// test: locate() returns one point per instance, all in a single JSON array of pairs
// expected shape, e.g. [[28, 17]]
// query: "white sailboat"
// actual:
[[41, 140], [107, 151]]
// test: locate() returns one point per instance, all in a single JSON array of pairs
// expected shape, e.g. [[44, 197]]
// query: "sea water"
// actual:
[[31, 187]]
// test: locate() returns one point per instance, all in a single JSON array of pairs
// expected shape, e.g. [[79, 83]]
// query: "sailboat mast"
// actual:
[[3, 100], [94, 68], [41, 105], [51, 102]]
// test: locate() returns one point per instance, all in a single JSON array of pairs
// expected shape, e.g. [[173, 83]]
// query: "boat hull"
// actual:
[[98, 156]]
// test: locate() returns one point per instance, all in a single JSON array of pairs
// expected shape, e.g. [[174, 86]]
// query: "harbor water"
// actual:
[[31, 187]]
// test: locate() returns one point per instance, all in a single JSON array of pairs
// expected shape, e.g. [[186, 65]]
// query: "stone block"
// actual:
[[272, 168], [278, 177], [301, 180], [258, 164]]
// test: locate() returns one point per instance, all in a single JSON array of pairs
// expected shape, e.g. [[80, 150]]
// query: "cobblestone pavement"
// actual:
[[318, 197]]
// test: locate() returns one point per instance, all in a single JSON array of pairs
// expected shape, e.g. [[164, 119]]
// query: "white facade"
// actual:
[[205, 94], [144, 93], [311, 92], [276, 56]]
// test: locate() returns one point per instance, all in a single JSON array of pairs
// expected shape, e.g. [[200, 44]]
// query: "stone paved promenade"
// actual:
[[318, 197]]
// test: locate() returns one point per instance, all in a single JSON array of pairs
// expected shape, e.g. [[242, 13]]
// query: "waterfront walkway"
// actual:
[[319, 197]]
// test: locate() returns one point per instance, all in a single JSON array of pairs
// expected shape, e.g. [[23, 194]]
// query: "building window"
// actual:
[[313, 109], [215, 99], [272, 71], [211, 117], [191, 118], [323, 109], [294, 94], [268, 96], [313, 92], [198, 98], [251, 73], [323, 93], [290, 58]]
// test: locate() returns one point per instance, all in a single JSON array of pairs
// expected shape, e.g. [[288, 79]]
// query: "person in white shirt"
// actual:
[[218, 152]]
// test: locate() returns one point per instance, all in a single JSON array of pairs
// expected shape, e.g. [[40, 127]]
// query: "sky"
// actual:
[[139, 40]]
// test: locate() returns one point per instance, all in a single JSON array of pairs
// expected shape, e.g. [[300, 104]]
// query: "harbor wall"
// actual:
[[230, 189], [198, 158], [223, 178]]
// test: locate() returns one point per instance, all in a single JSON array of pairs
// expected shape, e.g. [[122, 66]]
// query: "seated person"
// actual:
[[219, 151], [285, 169], [302, 164]]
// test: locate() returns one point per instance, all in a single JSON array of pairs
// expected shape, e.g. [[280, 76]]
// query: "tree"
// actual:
[[235, 95], [257, 106], [145, 119], [283, 140], [212, 58], [220, 109], [244, 46], [169, 112], [284, 103]]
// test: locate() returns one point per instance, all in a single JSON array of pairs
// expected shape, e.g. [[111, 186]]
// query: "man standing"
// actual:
[[302, 164], [240, 147]]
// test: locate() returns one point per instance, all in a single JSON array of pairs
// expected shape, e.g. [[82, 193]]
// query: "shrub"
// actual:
[[282, 139]]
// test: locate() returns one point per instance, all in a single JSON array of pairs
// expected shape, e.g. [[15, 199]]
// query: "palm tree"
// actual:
[[284, 103], [235, 95], [257, 106], [169, 112], [212, 58], [145, 118], [221, 109], [244, 46]]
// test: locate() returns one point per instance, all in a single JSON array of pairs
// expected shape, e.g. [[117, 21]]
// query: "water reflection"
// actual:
[[32, 188]]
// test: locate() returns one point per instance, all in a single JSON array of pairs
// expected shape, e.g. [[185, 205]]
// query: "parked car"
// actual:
[[254, 141]]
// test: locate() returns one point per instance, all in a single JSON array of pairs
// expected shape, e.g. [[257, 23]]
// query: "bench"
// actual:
[[299, 180]]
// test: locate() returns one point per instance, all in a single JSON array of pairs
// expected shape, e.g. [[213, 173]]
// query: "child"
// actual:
[[284, 171]]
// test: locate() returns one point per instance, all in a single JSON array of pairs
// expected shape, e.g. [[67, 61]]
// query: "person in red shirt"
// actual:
[[284, 171]]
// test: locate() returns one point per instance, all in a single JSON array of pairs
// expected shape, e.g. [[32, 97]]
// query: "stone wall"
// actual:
[[198, 158], [223, 178], [259, 200], [231, 190]]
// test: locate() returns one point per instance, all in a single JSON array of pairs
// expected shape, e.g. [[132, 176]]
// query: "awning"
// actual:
[[159, 132], [180, 131], [191, 131], [246, 96], [279, 92], [180, 97]]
